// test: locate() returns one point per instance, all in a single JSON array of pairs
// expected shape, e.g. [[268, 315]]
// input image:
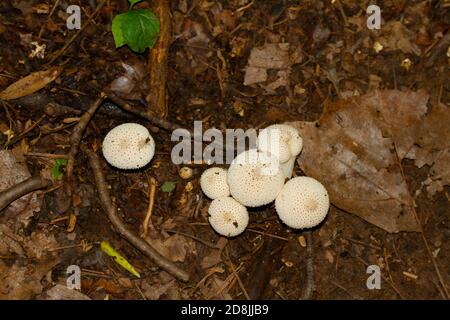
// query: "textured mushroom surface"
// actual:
[[302, 203], [128, 146], [255, 178], [281, 140], [228, 217], [214, 183]]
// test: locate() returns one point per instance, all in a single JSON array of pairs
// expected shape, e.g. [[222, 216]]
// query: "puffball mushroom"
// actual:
[[303, 202], [227, 216], [128, 146], [284, 142], [255, 178], [214, 183]]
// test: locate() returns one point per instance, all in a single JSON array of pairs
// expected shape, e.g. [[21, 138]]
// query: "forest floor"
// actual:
[[330, 55]]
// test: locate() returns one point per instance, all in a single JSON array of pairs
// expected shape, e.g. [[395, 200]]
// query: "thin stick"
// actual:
[[23, 133], [164, 124], [122, 230], [268, 234], [233, 270], [310, 286], [425, 241], [91, 18], [21, 189], [75, 140], [48, 18], [384, 278], [159, 61], [151, 202], [46, 155]]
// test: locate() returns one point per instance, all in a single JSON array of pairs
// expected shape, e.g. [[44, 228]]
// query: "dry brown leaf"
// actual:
[[270, 56], [174, 248], [13, 172], [215, 256], [22, 280], [30, 84], [350, 149], [61, 292], [395, 36]]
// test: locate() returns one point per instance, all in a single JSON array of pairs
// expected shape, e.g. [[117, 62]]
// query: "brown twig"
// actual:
[[158, 61], [46, 155], [164, 124], [236, 275], [25, 132], [88, 22], [310, 286], [120, 228], [21, 189], [75, 140], [151, 201], [48, 18]]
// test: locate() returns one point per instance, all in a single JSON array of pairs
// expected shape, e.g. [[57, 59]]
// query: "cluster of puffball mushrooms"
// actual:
[[255, 178]]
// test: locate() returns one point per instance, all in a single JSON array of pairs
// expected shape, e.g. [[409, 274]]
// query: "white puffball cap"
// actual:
[[214, 183], [272, 140], [128, 146], [288, 138], [227, 216], [255, 178], [302, 203]]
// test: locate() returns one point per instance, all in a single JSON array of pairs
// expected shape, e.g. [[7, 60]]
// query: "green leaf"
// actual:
[[116, 29], [133, 2], [119, 259], [168, 186], [138, 29], [56, 169]]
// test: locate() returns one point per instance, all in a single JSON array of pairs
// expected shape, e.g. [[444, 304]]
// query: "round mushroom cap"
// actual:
[[289, 136], [227, 216], [214, 183], [271, 140], [255, 178], [128, 146], [302, 203]]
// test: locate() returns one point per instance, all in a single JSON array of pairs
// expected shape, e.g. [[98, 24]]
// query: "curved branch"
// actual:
[[119, 226], [21, 189]]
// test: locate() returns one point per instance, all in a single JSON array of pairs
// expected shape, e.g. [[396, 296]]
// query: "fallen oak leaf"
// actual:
[[352, 150], [30, 84]]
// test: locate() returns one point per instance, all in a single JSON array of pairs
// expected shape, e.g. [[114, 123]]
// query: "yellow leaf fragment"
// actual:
[[119, 259]]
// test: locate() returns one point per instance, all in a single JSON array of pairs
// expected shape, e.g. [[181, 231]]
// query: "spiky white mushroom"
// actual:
[[255, 178], [227, 216], [302, 203], [128, 146], [284, 142], [214, 183]]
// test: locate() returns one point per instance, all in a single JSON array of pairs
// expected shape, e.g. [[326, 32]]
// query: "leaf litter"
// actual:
[[353, 148]]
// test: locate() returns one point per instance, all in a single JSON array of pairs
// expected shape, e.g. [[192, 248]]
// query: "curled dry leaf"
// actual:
[[30, 84], [352, 149]]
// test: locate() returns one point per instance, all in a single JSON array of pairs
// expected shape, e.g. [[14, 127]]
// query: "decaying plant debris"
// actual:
[[372, 107]]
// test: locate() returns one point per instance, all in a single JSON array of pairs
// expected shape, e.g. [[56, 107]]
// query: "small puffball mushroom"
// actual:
[[128, 146], [255, 178], [214, 183], [283, 141], [302, 203], [227, 216], [185, 173]]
